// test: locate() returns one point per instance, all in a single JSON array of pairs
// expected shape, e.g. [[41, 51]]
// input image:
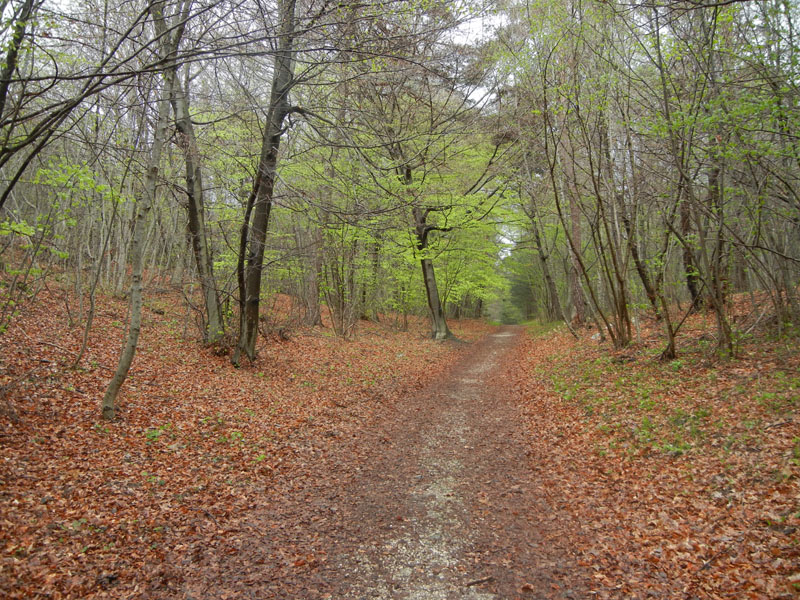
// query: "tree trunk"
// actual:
[[260, 201], [137, 255], [12, 53], [179, 100], [196, 209], [309, 245], [439, 328], [553, 308], [641, 269], [576, 291], [692, 275], [97, 269], [553, 303]]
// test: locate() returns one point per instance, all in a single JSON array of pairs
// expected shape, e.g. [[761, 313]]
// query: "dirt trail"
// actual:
[[434, 500]]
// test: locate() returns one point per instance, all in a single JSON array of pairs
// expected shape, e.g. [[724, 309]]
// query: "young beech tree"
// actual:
[[143, 206]]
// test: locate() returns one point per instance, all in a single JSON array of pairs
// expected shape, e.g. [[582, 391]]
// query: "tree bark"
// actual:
[[439, 328], [137, 255], [260, 201]]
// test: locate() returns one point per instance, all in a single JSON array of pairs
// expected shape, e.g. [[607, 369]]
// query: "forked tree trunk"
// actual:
[[439, 328], [137, 255], [253, 237], [194, 176]]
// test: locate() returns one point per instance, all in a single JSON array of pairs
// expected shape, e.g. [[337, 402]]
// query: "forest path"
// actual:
[[434, 500]]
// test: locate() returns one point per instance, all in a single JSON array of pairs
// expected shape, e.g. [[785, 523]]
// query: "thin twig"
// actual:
[[486, 579]]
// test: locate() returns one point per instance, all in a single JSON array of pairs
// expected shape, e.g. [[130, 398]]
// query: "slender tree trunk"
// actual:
[[309, 245], [649, 289], [122, 243], [630, 220], [576, 291], [669, 353], [553, 303], [137, 256], [684, 183], [97, 269], [714, 265], [260, 201], [179, 100], [196, 209], [557, 182], [554, 309], [692, 274]]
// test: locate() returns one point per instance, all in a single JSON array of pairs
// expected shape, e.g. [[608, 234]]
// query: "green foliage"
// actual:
[[8, 227], [153, 434]]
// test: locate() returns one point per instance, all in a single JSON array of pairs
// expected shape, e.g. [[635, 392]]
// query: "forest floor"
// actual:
[[512, 466], [434, 499], [683, 476]]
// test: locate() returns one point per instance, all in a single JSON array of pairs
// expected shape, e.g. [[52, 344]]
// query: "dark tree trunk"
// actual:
[[12, 54], [439, 328], [692, 274], [260, 201]]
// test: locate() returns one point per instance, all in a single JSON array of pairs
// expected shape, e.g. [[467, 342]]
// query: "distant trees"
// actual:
[[92, 167], [356, 159], [651, 138]]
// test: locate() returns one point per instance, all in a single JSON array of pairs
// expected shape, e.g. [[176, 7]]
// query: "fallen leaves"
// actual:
[[677, 480], [90, 509], [683, 476]]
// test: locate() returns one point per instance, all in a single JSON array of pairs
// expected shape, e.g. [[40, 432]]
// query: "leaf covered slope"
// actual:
[[91, 509], [682, 476]]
